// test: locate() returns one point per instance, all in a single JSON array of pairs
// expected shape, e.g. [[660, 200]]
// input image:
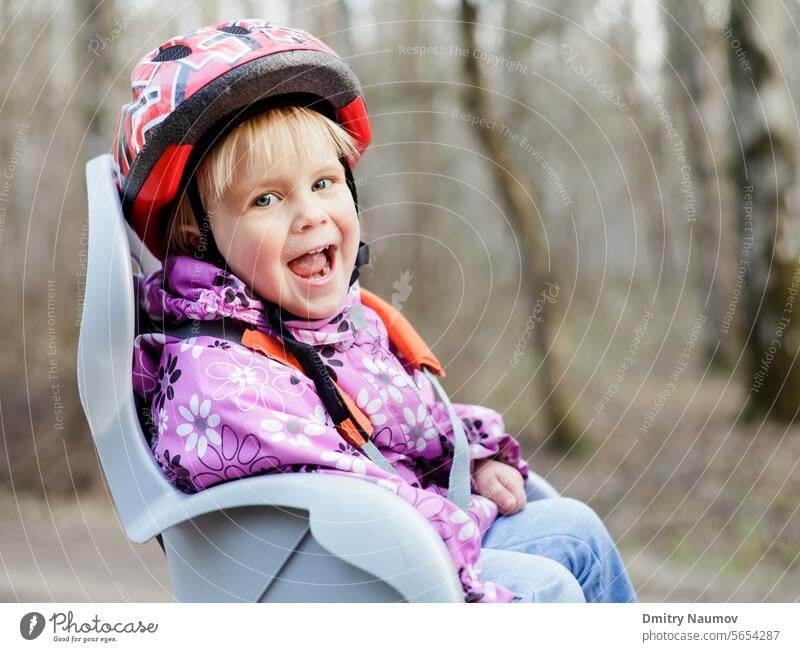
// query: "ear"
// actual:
[[192, 236]]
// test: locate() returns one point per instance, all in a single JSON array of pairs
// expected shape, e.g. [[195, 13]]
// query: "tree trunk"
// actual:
[[564, 433], [769, 221], [693, 89]]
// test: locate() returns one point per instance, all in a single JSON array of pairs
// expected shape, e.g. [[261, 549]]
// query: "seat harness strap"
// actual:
[[350, 421]]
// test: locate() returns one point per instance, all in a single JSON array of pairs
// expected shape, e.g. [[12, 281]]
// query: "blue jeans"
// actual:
[[555, 550]]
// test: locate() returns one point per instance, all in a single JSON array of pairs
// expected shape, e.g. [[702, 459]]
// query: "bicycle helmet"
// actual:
[[196, 86]]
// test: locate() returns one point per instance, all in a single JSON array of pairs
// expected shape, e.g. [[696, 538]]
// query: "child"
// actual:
[[235, 167]]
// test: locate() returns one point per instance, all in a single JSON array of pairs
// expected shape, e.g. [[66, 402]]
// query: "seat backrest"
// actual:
[[105, 356]]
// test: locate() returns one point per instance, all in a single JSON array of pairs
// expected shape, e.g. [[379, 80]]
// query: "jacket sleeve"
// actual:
[[483, 427]]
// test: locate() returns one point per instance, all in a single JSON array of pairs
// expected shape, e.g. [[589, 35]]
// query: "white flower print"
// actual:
[[199, 426], [386, 377], [162, 421], [244, 379], [191, 343], [471, 571], [294, 430], [371, 407], [321, 416], [420, 426], [483, 503], [285, 379], [467, 529], [345, 461]]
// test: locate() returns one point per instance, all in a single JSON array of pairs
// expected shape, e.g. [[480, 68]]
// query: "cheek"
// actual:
[[254, 250], [349, 226], [350, 239], [252, 237]]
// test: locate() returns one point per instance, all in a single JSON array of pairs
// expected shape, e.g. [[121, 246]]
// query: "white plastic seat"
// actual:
[[282, 537]]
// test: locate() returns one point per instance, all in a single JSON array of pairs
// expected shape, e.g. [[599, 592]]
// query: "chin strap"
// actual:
[[459, 487], [206, 250], [362, 258], [353, 425], [334, 401]]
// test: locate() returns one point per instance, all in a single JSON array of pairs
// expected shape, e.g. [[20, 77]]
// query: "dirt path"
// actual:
[[76, 551]]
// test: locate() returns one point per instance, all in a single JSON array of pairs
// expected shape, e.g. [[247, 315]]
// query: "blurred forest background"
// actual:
[[589, 209]]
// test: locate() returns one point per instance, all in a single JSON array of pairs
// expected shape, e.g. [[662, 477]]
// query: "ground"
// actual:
[[701, 510]]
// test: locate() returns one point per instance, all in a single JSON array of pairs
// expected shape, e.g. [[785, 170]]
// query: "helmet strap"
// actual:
[[206, 249], [362, 257]]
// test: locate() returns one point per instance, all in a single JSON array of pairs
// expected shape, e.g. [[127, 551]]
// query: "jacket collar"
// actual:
[[187, 288]]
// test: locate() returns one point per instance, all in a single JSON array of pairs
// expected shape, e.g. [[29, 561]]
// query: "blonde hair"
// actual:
[[253, 145]]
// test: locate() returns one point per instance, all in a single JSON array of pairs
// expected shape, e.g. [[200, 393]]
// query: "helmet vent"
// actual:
[[234, 29], [172, 53]]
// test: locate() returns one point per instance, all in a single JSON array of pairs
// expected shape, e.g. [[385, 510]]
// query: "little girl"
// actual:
[[235, 162]]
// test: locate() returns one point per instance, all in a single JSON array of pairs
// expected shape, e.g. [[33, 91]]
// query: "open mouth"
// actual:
[[314, 265]]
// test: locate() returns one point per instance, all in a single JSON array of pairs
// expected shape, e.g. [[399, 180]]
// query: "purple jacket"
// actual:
[[221, 411]]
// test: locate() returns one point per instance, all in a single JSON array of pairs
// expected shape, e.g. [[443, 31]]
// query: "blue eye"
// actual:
[[263, 201], [325, 181]]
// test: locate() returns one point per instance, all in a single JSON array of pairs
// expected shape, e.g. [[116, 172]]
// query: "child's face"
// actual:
[[265, 223]]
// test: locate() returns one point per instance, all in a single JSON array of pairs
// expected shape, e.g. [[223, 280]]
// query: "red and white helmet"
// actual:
[[191, 85]]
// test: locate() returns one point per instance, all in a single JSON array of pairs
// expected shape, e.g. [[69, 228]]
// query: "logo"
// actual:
[[402, 290], [31, 625]]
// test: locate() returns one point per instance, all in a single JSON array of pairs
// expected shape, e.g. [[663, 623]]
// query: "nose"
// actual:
[[310, 214]]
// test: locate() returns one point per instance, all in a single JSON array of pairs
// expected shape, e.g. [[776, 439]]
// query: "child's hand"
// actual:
[[502, 484]]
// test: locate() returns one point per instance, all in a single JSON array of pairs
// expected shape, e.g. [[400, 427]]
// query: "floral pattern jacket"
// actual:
[[220, 411]]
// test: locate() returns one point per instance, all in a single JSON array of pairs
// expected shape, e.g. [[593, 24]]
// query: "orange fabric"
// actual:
[[402, 334], [360, 417], [408, 342], [272, 348], [350, 433]]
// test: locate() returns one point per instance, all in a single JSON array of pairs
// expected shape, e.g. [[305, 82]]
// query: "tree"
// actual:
[[766, 130], [521, 213], [697, 102]]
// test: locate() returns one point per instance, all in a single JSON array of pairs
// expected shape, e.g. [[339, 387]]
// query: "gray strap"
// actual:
[[459, 487], [230, 329], [371, 451]]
